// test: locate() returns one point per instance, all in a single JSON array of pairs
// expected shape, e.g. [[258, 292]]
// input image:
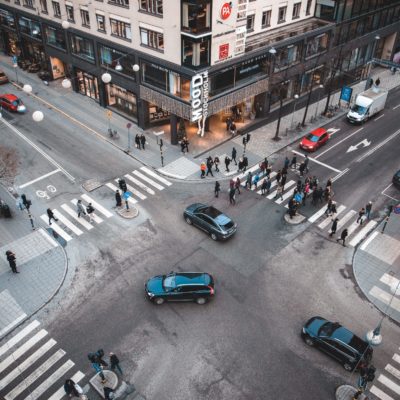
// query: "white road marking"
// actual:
[[273, 184], [352, 228], [287, 185], [12, 324], [376, 119], [369, 240], [336, 144], [50, 381], [22, 350], [364, 142], [134, 191], [38, 149], [67, 223], [74, 215], [389, 383], [343, 220], [18, 337], [385, 297], [360, 235], [328, 220], [114, 189], [395, 107], [39, 179], [95, 217], [35, 375], [60, 394], [335, 178], [394, 371], [15, 373], [154, 175], [271, 175], [377, 147], [286, 195], [389, 280], [97, 206], [243, 174], [379, 393], [148, 180], [56, 228], [396, 358], [332, 131], [318, 162], [140, 184]]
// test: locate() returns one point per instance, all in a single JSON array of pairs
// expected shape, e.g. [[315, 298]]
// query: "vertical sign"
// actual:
[[223, 51]]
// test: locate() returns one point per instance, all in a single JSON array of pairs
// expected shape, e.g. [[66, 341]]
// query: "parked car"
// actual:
[[209, 219], [3, 77], [337, 341], [12, 103], [396, 179], [180, 286], [315, 139]]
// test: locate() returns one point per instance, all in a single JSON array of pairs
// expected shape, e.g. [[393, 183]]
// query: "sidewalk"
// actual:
[[42, 264]]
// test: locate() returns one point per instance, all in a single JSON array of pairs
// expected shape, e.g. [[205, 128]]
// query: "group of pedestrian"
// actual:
[[80, 209], [140, 141]]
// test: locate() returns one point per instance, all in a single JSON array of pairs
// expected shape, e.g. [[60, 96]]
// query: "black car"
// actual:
[[214, 222], [180, 286], [337, 341], [396, 179]]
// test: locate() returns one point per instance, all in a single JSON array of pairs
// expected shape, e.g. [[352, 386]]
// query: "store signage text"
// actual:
[[199, 100], [226, 10]]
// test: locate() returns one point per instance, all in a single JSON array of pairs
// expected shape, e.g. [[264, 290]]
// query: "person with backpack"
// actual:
[[90, 212], [256, 179]]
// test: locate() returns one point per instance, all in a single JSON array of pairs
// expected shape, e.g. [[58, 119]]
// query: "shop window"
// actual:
[[317, 45], [152, 39], [82, 47], [196, 53], [122, 100], [7, 19], [157, 113], [221, 82], [87, 85], [282, 14], [178, 86], [43, 6], [308, 7], [55, 37], [56, 9], [250, 71], [121, 3], [70, 13], [266, 19], [110, 58], [120, 29], [196, 16], [30, 27], [101, 23], [250, 23], [154, 76], [296, 10], [151, 6], [85, 18]]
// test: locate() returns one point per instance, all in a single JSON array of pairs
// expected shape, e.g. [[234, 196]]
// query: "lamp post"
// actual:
[[319, 98], [376, 38], [128, 125], [296, 97]]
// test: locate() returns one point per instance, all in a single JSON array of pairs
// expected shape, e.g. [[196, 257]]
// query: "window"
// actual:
[[196, 16], [110, 58], [56, 9], [120, 29], [101, 23], [196, 53], [82, 47], [266, 19], [30, 27], [317, 45], [308, 8], [152, 6], [85, 18], [296, 10], [282, 14], [28, 3], [70, 13], [121, 3], [155, 76], [250, 23], [55, 37], [7, 19], [152, 39], [43, 6]]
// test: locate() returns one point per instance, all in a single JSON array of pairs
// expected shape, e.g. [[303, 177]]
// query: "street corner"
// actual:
[[295, 220], [130, 213]]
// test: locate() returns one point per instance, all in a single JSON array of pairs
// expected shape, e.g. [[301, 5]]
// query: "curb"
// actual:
[[296, 220], [130, 213], [346, 392]]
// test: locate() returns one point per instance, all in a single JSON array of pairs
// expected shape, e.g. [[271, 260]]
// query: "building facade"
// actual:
[[200, 61]]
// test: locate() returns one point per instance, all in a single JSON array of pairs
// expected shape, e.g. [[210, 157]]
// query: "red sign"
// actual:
[[223, 51], [226, 10]]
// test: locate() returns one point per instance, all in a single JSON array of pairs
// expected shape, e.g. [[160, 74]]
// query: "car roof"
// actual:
[[318, 131], [9, 96], [190, 278], [344, 335], [212, 212]]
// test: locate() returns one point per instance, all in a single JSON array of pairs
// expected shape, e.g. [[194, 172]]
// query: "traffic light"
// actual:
[[122, 185], [248, 138]]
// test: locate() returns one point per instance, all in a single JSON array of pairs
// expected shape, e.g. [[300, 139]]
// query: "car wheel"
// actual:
[[309, 341], [214, 237], [347, 367], [201, 300], [188, 221], [158, 301]]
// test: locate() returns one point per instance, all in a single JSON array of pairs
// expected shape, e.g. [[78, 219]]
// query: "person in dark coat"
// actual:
[[137, 141], [51, 215], [293, 162], [70, 389], [240, 166], [286, 163], [108, 393], [234, 155], [227, 162], [334, 227], [217, 188], [232, 192], [118, 198], [245, 163], [114, 363], [12, 261], [343, 237], [216, 163], [142, 140], [209, 166], [237, 185], [361, 214]]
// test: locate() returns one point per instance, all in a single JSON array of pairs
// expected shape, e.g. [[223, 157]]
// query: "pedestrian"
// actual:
[[329, 184], [293, 162], [245, 163], [142, 140], [114, 363], [227, 162], [264, 186], [302, 168], [182, 146], [262, 167], [231, 184], [216, 163], [203, 168], [19, 203], [217, 188], [186, 144], [333, 208], [361, 214], [240, 167], [306, 160], [314, 200], [232, 192], [334, 226], [328, 210], [118, 198], [232, 129], [249, 181], [137, 141], [279, 192], [368, 209], [12, 260], [80, 209], [278, 176], [320, 194], [72, 389], [108, 393], [51, 216], [99, 370], [237, 185], [228, 123], [343, 237], [377, 82], [256, 179], [90, 212], [286, 163], [283, 181], [209, 166], [327, 193], [268, 184], [234, 155]]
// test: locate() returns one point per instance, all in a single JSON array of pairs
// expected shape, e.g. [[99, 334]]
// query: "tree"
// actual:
[[8, 165]]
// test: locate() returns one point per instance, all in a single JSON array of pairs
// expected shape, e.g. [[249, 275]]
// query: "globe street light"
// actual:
[[118, 67], [37, 116], [106, 77], [66, 83], [27, 88], [65, 24], [296, 97], [135, 67]]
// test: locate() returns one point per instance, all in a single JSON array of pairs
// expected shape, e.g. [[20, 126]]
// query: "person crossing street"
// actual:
[[217, 188], [361, 214], [334, 226], [227, 162], [368, 209], [51, 216], [343, 237], [80, 209], [234, 153]]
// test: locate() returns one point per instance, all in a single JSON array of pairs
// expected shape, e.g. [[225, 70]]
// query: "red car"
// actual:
[[12, 103], [314, 140]]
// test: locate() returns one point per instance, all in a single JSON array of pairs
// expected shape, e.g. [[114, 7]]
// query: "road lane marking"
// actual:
[[394, 371], [389, 383], [363, 232], [369, 240], [396, 357], [317, 215], [317, 162], [67, 223], [377, 147], [395, 107], [95, 217], [336, 144], [376, 119], [48, 238], [39, 179], [12, 324], [288, 194], [335, 178], [38, 149], [60, 394], [97, 206], [74, 215], [140, 184], [287, 185], [148, 180], [389, 280], [380, 394], [344, 219], [328, 220], [385, 297], [56, 228]]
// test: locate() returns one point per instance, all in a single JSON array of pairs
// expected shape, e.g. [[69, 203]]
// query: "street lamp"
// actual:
[[370, 62], [296, 97], [319, 98], [65, 24], [27, 88], [66, 83], [106, 77], [118, 67], [135, 67]]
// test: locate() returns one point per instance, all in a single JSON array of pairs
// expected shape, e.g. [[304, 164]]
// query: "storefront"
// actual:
[[10, 44], [122, 100], [57, 68], [87, 84], [157, 115]]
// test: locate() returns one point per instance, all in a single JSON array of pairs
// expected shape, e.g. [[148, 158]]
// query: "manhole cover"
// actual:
[[91, 184]]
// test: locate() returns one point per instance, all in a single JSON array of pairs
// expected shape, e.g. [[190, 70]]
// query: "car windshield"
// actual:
[[16, 102], [328, 328], [224, 222], [312, 138], [211, 212], [169, 282], [359, 109]]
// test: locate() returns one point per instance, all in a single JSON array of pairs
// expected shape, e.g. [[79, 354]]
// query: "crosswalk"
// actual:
[[140, 183], [31, 364], [387, 384]]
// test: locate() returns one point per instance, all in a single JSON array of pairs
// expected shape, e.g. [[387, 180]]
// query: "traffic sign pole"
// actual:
[[128, 125]]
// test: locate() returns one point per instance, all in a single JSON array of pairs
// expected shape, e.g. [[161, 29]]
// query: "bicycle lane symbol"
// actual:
[[43, 193]]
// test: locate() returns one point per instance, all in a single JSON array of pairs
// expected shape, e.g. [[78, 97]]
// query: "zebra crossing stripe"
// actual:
[[385, 297], [95, 217], [360, 235], [27, 363], [140, 184], [74, 215], [18, 337], [114, 189], [56, 228], [394, 371], [260, 182], [48, 238], [60, 394], [22, 350], [245, 173], [146, 179], [273, 194], [347, 217], [67, 223], [35, 375], [352, 228], [328, 220], [12, 324], [380, 394], [396, 358], [287, 194], [394, 387], [317, 215], [154, 175], [273, 184], [55, 376], [97, 206]]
